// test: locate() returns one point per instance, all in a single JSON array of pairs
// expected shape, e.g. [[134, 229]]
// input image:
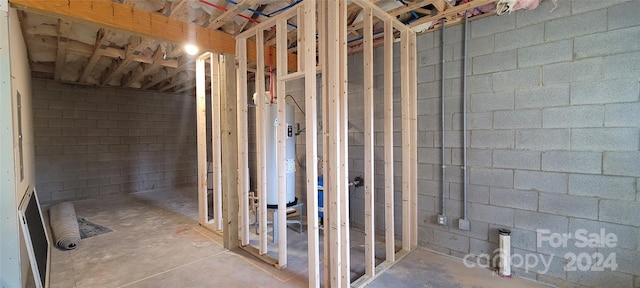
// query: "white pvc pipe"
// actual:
[[505, 253]]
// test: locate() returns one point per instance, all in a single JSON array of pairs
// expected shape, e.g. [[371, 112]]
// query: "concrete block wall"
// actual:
[[93, 141], [554, 131]]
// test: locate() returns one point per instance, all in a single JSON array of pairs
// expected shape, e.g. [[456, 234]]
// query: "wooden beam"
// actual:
[[184, 63], [216, 137], [406, 139], [261, 148], [324, 70], [369, 142], [293, 76], [259, 8], [151, 68], [186, 87], [281, 50], [80, 48], [119, 17], [61, 53], [176, 83], [300, 39], [344, 144], [46, 67], [388, 142], [378, 12], [217, 12], [102, 43], [243, 156], [308, 50], [423, 11], [228, 123], [201, 130], [413, 117], [413, 6], [451, 11], [177, 6], [267, 24], [134, 48], [333, 132], [230, 13]]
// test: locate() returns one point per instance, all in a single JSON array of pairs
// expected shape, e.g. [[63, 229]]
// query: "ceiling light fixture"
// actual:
[[191, 49]]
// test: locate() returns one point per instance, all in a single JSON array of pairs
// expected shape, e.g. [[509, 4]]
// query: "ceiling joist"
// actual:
[[134, 48], [120, 17], [102, 43], [61, 54], [232, 12]]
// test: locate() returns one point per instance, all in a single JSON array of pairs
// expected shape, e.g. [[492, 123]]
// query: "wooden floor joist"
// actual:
[[120, 17]]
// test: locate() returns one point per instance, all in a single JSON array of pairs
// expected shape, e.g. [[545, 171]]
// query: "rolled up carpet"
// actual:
[[64, 225]]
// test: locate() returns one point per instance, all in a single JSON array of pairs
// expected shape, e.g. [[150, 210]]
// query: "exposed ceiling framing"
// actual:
[[71, 49]]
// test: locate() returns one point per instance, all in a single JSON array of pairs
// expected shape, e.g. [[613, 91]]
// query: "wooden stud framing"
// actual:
[[388, 142], [332, 49], [344, 145], [308, 50], [369, 141], [300, 33], [243, 157], [406, 139], [201, 128], [383, 15], [413, 120], [281, 51], [333, 128], [230, 147], [322, 47], [216, 137], [260, 142]]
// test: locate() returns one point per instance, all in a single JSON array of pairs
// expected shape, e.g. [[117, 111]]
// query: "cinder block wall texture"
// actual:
[[100, 141], [553, 118]]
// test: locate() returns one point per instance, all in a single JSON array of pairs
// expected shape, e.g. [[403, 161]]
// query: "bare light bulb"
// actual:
[[191, 49]]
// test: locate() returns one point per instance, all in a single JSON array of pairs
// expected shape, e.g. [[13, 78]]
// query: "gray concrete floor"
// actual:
[[157, 242]]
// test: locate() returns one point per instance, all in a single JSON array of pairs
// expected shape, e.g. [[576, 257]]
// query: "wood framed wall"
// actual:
[[326, 21], [210, 217]]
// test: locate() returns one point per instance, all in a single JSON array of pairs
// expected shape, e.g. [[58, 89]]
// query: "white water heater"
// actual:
[[270, 122]]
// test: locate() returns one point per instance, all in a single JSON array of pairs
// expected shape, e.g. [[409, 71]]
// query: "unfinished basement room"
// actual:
[[319, 143]]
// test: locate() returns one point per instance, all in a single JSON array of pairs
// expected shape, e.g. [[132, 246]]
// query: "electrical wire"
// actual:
[[294, 101], [225, 9]]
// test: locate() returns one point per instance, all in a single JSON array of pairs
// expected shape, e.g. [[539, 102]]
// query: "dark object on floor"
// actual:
[[89, 229], [64, 225]]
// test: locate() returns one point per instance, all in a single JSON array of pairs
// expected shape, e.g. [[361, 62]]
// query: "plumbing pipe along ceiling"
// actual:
[[77, 52]]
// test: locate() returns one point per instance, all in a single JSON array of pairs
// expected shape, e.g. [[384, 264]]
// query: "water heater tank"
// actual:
[[270, 123]]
